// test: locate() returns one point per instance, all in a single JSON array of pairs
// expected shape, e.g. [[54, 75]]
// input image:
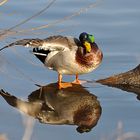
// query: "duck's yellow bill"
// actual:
[[88, 46]]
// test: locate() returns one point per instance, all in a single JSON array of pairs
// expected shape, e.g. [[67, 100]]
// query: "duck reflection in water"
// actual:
[[71, 106]]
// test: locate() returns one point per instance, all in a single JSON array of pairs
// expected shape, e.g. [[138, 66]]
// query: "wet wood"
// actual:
[[128, 81]]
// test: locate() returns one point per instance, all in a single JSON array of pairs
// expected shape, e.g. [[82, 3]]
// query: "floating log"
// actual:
[[128, 81]]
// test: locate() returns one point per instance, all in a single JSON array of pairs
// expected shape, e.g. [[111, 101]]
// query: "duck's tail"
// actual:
[[11, 100], [30, 108], [26, 43]]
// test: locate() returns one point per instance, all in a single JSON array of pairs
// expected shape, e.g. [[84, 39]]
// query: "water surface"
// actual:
[[115, 25]]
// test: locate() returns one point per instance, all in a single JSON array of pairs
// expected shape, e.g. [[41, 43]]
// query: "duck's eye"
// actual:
[[85, 36]]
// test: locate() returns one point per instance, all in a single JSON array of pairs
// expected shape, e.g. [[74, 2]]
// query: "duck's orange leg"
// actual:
[[59, 81], [62, 85], [76, 81]]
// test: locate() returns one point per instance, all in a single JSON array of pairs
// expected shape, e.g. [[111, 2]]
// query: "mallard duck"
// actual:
[[68, 106], [66, 55]]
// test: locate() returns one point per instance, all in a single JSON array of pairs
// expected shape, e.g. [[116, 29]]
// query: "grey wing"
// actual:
[[52, 43], [26, 42], [61, 43]]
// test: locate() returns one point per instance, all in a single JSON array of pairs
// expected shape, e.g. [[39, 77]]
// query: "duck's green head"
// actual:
[[87, 39], [82, 129]]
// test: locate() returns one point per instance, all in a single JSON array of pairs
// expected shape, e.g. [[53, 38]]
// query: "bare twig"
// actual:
[[3, 2], [77, 13], [26, 20]]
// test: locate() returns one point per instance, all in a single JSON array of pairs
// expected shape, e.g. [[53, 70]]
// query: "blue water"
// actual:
[[116, 27]]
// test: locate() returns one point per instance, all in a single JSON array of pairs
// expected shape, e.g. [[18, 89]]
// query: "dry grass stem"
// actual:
[[77, 13], [3, 2], [8, 31]]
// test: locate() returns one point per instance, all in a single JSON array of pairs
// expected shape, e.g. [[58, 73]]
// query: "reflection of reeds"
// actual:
[[3, 137], [28, 123], [119, 134]]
